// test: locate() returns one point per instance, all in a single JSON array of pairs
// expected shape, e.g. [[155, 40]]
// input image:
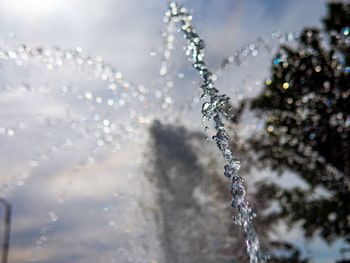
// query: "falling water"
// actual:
[[104, 121], [100, 121], [216, 109], [101, 124]]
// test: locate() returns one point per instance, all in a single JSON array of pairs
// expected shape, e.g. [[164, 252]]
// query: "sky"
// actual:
[[79, 204]]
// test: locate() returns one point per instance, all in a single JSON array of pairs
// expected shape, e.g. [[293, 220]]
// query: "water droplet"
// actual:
[[98, 99], [285, 85], [112, 86], [168, 100], [88, 95], [332, 216], [34, 163], [53, 217], [207, 109], [64, 89], [163, 70], [106, 122], [10, 132]]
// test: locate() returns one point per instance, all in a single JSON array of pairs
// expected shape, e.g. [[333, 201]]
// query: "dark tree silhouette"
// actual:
[[306, 108]]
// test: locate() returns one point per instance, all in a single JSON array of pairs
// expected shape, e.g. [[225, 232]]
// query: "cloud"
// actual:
[[124, 33]]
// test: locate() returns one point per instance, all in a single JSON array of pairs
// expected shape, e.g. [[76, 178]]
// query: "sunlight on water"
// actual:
[[215, 109], [104, 119]]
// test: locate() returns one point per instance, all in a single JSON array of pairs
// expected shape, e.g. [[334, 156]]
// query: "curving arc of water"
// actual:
[[215, 109]]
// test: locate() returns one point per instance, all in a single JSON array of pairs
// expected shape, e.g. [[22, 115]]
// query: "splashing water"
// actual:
[[215, 109], [104, 120], [137, 101], [98, 120]]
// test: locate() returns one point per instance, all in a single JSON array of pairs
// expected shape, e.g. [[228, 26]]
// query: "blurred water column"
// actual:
[[7, 229]]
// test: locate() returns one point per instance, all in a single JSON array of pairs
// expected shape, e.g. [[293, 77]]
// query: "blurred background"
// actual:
[[103, 154]]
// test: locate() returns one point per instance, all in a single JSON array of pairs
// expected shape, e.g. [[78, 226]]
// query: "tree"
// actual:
[[306, 108]]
